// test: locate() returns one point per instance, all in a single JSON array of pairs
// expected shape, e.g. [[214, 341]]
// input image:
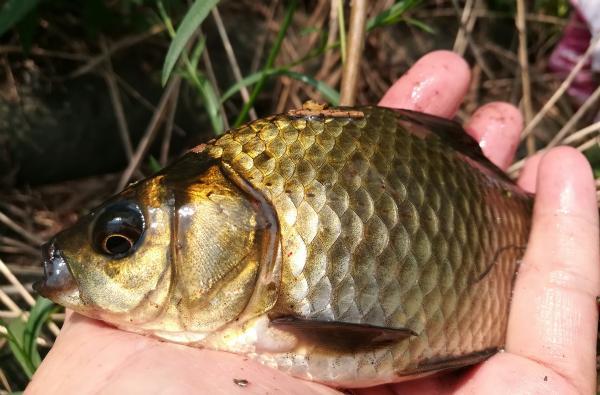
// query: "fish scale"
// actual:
[[350, 246], [394, 203]]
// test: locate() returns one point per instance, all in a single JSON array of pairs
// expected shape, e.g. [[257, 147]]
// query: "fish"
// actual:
[[347, 246]]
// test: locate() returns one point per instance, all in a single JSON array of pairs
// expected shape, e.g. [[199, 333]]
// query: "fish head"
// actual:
[[179, 252], [114, 258]]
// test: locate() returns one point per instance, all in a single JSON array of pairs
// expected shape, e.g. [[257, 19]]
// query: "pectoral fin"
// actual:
[[341, 336]]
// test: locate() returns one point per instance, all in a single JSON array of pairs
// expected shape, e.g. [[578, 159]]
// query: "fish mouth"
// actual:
[[58, 279]]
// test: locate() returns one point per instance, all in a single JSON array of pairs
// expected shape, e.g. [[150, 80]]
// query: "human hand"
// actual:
[[552, 327]]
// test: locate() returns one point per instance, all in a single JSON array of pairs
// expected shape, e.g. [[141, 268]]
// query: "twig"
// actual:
[[14, 210], [117, 46], [589, 144], [12, 306], [467, 30], [164, 148], [115, 98], [11, 250], [8, 302], [505, 53], [10, 314], [524, 66], [282, 97], [144, 102], [4, 49], [17, 284], [40, 340], [561, 90], [450, 12], [212, 79], [331, 57], [590, 101], [11, 93], [580, 134], [18, 229], [150, 132], [24, 293], [503, 83], [25, 248], [15, 314], [4, 381], [232, 59], [342, 29], [287, 19], [471, 99], [356, 38], [460, 42], [20, 269], [262, 41], [570, 140]]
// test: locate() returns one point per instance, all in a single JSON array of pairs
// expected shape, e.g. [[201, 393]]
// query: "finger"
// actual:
[[91, 357], [436, 84], [497, 127], [528, 177], [507, 373], [553, 314]]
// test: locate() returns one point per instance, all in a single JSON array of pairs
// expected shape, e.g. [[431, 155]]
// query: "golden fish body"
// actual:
[[347, 246]]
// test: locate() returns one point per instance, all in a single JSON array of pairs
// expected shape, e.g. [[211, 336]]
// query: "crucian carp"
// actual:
[[349, 246]]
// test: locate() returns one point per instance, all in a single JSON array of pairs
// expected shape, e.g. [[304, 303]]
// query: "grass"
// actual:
[[289, 14], [295, 53], [23, 332]]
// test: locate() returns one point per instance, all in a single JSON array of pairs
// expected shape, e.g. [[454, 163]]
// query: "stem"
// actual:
[[270, 60]]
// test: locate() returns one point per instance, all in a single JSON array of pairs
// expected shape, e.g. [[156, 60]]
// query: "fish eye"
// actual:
[[118, 229]]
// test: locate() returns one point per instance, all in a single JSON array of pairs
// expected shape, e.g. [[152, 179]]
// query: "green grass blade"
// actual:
[[13, 11], [195, 77], [247, 81], [328, 93], [15, 335], [212, 103], [270, 60], [22, 335], [331, 95], [37, 317], [192, 19], [164, 16], [153, 164], [209, 96], [197, 53], [392, 14], [420, 25]]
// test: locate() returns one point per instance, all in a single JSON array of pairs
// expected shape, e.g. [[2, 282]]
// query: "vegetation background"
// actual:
[[96, 93]]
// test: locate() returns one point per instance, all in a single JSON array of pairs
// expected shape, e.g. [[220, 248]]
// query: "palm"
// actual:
[[552, 326]]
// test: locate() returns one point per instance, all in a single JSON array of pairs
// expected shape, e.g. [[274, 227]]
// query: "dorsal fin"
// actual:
[[453, 135]]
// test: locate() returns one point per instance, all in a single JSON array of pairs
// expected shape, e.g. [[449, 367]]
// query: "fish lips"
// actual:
[[58, 279]]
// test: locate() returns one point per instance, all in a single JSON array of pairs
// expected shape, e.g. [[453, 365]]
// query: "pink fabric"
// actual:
[[582, 26], [574, 43]]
